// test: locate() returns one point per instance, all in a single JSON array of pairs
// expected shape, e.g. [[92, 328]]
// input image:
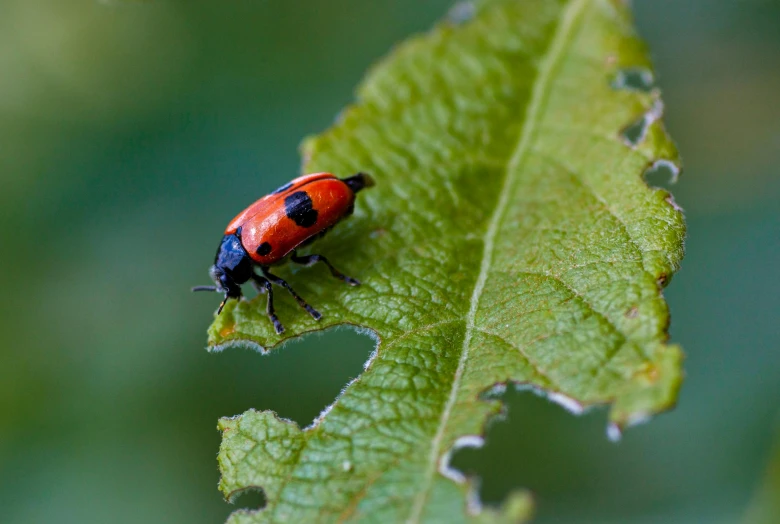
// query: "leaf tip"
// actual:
[[653, 389]]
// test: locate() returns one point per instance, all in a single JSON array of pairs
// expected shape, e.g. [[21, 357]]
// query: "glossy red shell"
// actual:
[[268, 222]]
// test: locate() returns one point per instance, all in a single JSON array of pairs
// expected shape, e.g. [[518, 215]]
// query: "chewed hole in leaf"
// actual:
[[250, 499], [662, 173], [635, 132], [445, 467], [529, 449], [306, 376], [634, 79]]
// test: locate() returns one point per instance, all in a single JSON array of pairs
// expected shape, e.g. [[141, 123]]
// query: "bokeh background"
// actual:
[[130, 132]]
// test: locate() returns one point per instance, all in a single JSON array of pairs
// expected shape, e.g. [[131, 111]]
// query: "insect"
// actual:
[[268, 232]]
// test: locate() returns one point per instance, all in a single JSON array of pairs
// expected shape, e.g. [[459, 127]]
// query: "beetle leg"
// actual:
[[310, 260], [259, 281], [301, 302]]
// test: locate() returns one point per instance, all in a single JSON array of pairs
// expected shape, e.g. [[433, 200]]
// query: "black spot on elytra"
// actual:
[[282, 189], [263, 249], [299, 209]]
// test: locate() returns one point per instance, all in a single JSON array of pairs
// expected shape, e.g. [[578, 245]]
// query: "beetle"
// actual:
[[268, 232]]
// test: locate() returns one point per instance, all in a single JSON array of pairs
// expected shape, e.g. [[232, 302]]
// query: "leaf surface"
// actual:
[[510, 238]]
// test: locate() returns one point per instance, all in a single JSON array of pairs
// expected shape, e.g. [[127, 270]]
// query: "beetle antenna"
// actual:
[[222, 305], [204, 288], [358, 182]]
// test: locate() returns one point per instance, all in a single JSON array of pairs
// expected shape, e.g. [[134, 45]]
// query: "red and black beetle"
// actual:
[[268, 232]]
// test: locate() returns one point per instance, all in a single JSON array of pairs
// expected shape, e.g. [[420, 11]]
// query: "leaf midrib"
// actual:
[[549, 63]]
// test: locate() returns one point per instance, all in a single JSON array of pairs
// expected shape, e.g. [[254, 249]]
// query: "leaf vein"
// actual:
[[547, 67]]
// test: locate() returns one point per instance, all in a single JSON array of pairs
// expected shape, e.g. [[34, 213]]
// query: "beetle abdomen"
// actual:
[[295, 213]]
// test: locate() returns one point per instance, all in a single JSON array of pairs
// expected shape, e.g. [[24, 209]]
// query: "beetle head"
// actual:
[[232, 267]]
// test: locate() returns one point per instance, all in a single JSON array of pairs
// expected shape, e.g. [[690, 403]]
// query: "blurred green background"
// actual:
[[131, 132]]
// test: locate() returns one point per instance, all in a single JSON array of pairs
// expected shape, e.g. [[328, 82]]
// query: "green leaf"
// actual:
[[510, 238]]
